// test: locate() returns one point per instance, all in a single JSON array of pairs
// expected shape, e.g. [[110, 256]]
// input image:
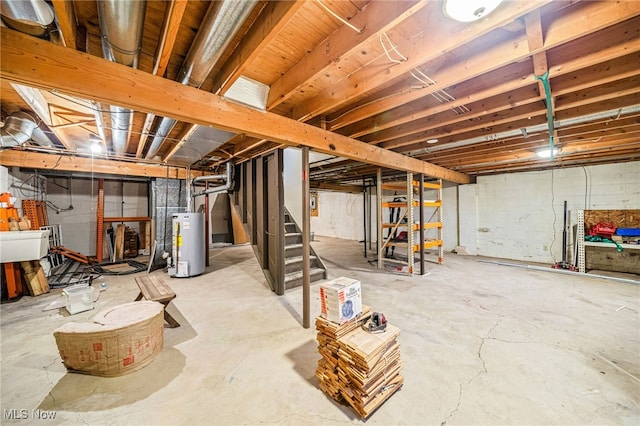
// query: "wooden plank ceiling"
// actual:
[[395, 84]]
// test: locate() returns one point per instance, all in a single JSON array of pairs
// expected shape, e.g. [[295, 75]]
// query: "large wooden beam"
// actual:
[[68, 163], [353, 189], [35, 62]]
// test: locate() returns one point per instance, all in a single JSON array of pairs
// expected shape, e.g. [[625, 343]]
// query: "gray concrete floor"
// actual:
[[481, 344]]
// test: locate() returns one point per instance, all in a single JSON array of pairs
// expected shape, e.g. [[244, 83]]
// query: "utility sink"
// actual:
[[18, 246]]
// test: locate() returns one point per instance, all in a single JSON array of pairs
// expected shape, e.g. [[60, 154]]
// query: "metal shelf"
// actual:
[[407, 222], [582, 244], [611, 245]]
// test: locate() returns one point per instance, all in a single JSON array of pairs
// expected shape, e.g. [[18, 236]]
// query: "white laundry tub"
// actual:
[[17, 246]]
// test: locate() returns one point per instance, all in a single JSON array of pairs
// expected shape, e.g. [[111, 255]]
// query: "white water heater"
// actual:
[[188, 248]]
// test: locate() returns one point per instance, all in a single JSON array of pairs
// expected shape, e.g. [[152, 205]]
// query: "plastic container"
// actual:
[[628, 232], [78, 298]]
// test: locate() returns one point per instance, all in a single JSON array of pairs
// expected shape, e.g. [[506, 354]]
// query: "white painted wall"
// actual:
[[516, 216], [468, 218], [4, 179], [520, 215], [513, 216], [292, 180], [340, 215]]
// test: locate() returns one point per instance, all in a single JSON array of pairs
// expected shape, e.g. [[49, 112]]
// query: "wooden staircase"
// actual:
[[276, 239], [293, 256]]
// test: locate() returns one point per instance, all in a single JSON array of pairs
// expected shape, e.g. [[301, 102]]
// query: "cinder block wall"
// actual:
[[79, 223], [514, 216], [520, 215]]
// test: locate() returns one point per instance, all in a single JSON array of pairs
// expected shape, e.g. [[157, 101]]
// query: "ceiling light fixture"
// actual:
[[546, 152], [432, 141], [469, 10], [96, 147]]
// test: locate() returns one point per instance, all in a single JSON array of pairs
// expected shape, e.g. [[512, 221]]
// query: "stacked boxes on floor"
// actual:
[[357, 366]]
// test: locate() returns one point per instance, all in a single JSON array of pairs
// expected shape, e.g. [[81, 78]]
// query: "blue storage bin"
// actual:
[[628, 232]]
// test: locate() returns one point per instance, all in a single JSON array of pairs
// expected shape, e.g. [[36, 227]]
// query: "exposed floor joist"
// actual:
[[39, 63], [38, 160]]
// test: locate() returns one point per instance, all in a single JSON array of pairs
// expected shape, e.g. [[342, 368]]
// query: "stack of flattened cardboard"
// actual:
[[357, 366]]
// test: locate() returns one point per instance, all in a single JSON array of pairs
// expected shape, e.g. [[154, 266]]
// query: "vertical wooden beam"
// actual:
[[306, 237], [100, 220], [66, 16], [535, 39], [364, 214], [206, 223], [379, 197]]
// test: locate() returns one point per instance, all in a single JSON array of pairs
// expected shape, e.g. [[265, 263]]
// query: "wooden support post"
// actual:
[[206, 223], [421, 244], [306, 237], [364, 214], [100, 220], [379, 196]]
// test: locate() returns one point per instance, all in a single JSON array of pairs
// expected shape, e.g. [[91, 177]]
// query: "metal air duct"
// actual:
[[121, 26], [222, 21], [17, 129], [33, 17], [228, 178]]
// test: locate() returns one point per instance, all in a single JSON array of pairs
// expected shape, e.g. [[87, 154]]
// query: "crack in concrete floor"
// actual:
[[484, 370]]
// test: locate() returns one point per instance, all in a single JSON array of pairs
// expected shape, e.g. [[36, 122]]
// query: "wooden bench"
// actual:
[[153, 288]]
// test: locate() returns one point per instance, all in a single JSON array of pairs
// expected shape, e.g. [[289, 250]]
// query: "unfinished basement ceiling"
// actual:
[[402, 76]]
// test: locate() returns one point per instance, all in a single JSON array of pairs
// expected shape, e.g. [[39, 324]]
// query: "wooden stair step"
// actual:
[[296, 259], [298, 274]]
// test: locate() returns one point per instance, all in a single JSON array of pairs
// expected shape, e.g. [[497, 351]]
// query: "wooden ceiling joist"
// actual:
[[449, 36], [38, 160], [492, 58], [38, 63], [273, 18], [374, 19]]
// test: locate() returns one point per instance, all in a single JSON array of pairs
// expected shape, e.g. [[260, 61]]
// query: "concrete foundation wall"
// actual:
[[340, 215], [520, 215], [468, 218], [516, 216], [513, 216]]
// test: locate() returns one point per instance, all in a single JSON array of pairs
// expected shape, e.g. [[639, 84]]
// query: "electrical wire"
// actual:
[[88, 105], [339, 18], [393, 47]]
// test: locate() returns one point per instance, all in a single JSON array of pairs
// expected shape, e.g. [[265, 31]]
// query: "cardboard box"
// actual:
[[340, 299]]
